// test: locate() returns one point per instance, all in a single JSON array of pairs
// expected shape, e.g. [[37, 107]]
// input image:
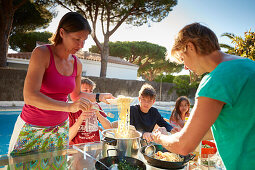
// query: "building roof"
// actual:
[[20, 55], [96, 57], [82, 55]]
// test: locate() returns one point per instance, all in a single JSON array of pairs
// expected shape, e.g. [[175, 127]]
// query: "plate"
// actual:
[[112, 101]]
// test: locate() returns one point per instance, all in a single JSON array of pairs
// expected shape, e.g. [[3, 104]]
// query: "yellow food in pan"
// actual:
[[168, 156]]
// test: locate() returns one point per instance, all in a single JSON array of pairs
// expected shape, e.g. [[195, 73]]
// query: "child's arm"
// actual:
[[73, 130], [115, 124], [162, 123], [103, 120]]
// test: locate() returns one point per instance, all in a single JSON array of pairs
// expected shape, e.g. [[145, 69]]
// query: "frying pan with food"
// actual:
[[164, 164], [119, 162]]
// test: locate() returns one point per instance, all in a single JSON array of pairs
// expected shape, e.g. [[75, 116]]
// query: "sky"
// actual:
[[232, 16]]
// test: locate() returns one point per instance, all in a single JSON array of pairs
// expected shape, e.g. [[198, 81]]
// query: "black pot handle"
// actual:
[[110, 141], [144, 141]]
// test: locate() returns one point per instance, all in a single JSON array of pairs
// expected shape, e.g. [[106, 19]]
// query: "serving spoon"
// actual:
[[150, 150]]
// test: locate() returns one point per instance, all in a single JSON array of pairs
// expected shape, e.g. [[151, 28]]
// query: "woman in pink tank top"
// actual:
[[53, 73]]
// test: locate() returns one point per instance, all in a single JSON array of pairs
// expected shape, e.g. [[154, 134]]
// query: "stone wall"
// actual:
[[132, 87], [12, 82]]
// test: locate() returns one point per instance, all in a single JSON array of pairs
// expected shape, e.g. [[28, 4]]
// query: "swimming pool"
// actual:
[[8, 119]]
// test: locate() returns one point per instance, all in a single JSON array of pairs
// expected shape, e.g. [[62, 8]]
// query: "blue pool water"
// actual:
[[8, 119]]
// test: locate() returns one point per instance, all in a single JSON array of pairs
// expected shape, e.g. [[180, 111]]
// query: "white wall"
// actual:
[[92, 68], [17, 63], [126, 72], [17, 60]]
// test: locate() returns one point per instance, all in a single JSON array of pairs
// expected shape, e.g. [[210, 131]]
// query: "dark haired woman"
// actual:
[[53, 73]]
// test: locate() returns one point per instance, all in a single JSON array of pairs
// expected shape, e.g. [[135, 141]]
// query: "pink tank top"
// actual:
[[55, 86]]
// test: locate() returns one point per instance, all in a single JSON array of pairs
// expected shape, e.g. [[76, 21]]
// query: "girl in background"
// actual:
[[181, 110]]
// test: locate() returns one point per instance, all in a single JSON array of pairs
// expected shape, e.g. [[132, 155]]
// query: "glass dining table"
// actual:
[[71, 158]]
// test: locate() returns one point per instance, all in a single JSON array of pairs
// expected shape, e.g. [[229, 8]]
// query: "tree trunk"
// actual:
[[6, 19], [104, 56]]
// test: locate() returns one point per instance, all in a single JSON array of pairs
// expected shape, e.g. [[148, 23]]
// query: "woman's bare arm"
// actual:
[[204, 114], [39, 61], [77, 94]]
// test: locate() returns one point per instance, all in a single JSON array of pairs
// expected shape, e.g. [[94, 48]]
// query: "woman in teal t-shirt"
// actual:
[[224, 99]]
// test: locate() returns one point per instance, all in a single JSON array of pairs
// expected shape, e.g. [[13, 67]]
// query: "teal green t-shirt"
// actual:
[[233, 82]]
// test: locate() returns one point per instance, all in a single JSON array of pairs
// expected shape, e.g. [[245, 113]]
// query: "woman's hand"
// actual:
[[176, 129], [156, 137], [148, 137], [161, 130], [104, 96], [85, 115], [80, 104]]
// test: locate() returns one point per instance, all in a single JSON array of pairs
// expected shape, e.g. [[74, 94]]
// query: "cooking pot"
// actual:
[[113, 145], [165, 164], [111, 160]]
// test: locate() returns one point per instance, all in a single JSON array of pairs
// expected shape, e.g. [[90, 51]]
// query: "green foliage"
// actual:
[[135, 12], [94, 49], [26, 42], [112, 14], [150, 10], [165, 78], [149, 57], [244, 47], [31, 16], [183, 85]]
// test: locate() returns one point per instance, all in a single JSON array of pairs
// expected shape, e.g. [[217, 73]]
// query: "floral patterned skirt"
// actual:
[[27, 139]]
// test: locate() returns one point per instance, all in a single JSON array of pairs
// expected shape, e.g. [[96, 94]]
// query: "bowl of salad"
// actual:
[[207, 148]]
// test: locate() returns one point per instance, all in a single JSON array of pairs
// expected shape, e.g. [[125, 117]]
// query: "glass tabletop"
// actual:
[[70, 158]]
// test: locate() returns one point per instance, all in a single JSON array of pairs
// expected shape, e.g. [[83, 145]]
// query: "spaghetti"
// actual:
[[123, 104]]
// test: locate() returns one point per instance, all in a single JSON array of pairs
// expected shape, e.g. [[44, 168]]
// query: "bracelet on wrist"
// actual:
[[97, 97]]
